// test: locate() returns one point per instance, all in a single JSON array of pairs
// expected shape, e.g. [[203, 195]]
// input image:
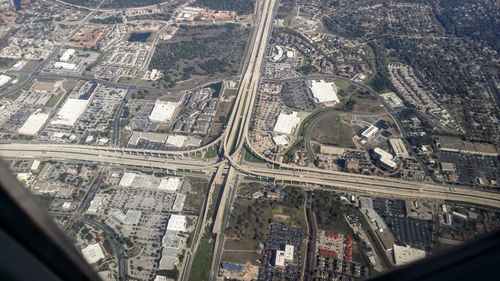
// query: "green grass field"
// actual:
[[202, 262], [211, 153], [230, 92], [53, 100], [250, 157]]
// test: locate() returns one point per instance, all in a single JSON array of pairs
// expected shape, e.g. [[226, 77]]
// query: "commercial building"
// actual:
[[404, 255], [176, 140], [289, 249], [385, 159], [35, 165], [65, 65], [70, 112], [170, 184], [163, 111], [286, 123], [279, 260], [66, 56], [95, 204], [151, 182], [324, 92], [399, 148], [280, 140], [392, 99], [177, 223], [4, 79], [332, 150], [93, 253], [136, 137], [279, 55], [370, 132], [33, 124], [447, 167]]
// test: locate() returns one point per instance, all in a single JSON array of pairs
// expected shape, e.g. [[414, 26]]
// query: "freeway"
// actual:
[[299, 175], [117, 157], [173, 154], [233, 140]]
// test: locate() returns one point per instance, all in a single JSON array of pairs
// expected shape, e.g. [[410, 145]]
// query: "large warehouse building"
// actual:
[[70, 112], [33, 124], [286, 123], [163, 111], [324, 92]]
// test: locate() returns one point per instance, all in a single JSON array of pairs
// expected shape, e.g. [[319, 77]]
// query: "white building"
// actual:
[[127, 179], [67, 55], [392, 99], [289, 249], [404, 255], [177, 223], [385, 158], [279, 55], [286, 123], [93, 253], [324, 92], [176, 140], [35, 165], [370, 132], [170, 184], [399, 148], [160, 278], [279, 260], [163, 111], [33, 124], [95, 204], [65, 65], [4, 79], [280, 140], [70, 112]]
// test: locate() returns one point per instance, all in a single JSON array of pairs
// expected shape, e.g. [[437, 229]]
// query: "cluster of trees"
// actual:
[[114, 3], [468, 18], [330, 211], [218, 50], [114, 19], [242, 7], [250, 223]]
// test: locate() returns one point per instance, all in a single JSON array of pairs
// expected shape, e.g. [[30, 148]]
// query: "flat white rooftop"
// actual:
[[65, 65], [399, 147], [370, 132], [324, 92], [4, 79], [170, 184], [177, 223], [70, 112], [33, 124], [286, 123], [404, 255], [176, 140], [67, 55], [280, 140], [163, 111], [93, 253]]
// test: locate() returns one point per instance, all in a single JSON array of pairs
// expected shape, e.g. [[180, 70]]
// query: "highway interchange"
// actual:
[[230, 145]]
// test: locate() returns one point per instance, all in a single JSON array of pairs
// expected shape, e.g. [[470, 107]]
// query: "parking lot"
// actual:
[[279, 236], [413, 232], [471, 167], [390, 207]]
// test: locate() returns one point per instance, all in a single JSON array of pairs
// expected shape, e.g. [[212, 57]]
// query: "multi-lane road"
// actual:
[[234, 138]]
